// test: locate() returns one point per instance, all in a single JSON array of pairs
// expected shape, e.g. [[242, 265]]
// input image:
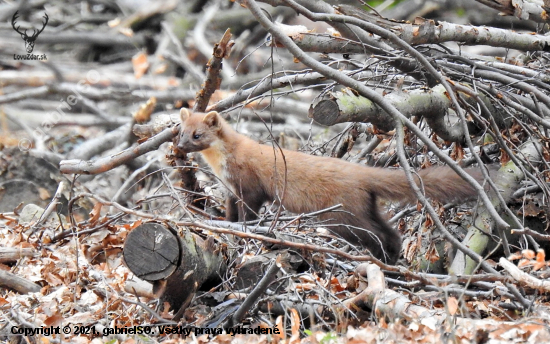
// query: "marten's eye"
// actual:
[[196, 136]]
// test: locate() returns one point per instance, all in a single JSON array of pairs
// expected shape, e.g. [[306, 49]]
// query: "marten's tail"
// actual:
[[444, 185], [439, 183]]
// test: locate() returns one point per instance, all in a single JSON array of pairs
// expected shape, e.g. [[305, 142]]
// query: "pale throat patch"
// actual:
[[216, 157]]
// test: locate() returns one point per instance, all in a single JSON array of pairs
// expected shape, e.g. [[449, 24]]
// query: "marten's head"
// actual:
[[198, 130]]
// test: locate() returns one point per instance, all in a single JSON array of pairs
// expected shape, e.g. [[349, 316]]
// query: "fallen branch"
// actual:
[[109, 162], [386, 303], [17, 283], [12, 254], [524, 278]]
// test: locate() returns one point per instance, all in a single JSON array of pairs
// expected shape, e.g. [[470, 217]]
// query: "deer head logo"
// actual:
[[29, 40]]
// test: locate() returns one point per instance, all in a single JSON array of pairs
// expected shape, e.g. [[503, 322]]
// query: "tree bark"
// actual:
[[177, 264]]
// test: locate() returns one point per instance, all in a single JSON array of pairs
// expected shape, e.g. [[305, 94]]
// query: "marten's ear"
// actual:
[[211, 119], [184, 115]]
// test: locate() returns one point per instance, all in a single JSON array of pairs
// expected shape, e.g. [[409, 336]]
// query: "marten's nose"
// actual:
[[181, 141]]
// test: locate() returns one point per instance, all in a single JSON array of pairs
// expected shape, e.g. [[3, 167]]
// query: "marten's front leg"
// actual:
[[249, 211], [245, 210], [231, 209]]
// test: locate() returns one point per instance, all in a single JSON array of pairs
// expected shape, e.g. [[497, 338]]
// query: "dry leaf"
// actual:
[[335, 285], [331, 31], [295, 32], [452, 305], [44, 194], [305, 286], [429, 221], [528, 254], [414, 327], [457, 153], [280, 324], [532, 209], [140, 64], [480, 306], [431, 254], [410, 248], [539, 263], [306, 278], [53, 279], [524, 262], [143, 114], [126, 31], [429, 322], [132, 225], [166, 311], [79, 318], [540, 255], [161, 68], [94, 214], [113, 23], [173, 82], [515, 256], [295, 326], [54, 320]]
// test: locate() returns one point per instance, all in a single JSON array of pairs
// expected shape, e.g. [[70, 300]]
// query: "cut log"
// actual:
[[177, 265]]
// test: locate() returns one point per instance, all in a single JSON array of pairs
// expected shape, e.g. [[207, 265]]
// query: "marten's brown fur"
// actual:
[[302, 183]]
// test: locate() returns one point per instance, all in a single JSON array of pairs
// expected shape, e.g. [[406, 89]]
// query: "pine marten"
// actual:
[[257, 173]]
